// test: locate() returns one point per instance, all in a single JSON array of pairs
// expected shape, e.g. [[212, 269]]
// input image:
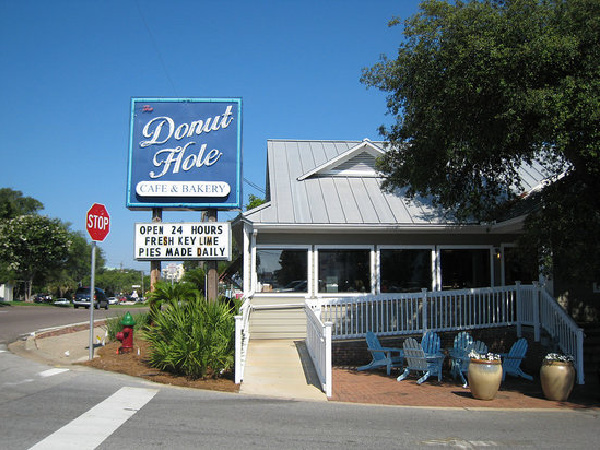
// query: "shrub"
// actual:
[[167, 293], [193, 337]]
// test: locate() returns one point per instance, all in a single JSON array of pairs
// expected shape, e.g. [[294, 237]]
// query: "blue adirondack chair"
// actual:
[[382, 356], [480, 347], [511, 361], [417, 360], [459, 354], [431, 343]]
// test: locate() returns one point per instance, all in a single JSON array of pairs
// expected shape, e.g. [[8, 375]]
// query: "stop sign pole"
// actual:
[[97, 224]]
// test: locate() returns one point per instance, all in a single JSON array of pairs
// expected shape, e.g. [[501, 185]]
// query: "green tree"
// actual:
[[13, 204], [116, 281], [254, 201], [33, 247], [76, 270], [478, 87]]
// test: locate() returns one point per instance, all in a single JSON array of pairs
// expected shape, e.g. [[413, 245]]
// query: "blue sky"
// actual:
[[70, 68]]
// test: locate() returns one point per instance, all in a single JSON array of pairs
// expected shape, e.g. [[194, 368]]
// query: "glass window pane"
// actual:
[[344, 271], [405, 270], [280, 270], [465, 268]]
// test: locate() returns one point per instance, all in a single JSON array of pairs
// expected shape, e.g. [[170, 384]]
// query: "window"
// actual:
[[344, 271], [465, 268], [279, 270], [405, 270]]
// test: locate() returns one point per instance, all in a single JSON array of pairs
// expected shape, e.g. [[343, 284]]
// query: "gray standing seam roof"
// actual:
[[335, 183]]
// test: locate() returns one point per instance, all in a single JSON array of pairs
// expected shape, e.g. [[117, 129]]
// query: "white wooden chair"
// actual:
[[417, 360]]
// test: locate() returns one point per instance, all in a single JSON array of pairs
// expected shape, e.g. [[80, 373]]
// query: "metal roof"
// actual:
[[335, 183]]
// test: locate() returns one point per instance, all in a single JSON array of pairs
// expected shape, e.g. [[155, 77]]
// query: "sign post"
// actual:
[[97, 224]]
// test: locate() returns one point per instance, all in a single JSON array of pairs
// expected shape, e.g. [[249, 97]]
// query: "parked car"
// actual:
[[82, 298], [42, 298], [113, 301], [62, 302]]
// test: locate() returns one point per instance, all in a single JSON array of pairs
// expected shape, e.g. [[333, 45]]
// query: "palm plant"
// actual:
[[166, 293], [193, 337]]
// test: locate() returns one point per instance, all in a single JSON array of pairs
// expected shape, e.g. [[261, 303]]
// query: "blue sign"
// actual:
[[185, 154]]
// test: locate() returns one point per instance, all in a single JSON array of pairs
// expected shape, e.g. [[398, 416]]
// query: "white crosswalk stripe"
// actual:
[[52, 372], [90, 429]]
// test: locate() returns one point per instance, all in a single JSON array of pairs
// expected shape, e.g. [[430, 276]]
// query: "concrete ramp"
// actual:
[[281, 368]]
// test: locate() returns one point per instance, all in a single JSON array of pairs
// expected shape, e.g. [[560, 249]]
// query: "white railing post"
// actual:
[[536, 312], [328, 361], [579, 368], [424, 309], [519, 304], [239, 321]]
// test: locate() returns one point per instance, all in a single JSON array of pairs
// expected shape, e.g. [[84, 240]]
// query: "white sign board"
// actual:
[[181, 241]]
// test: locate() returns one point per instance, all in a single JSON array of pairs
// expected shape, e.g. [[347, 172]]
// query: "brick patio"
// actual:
[[375, 387]]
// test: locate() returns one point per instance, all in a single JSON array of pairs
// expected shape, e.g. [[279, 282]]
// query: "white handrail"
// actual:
[[318, 344], [567, 335], [242, 336]]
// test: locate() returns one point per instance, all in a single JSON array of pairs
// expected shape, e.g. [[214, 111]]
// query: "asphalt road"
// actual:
[[78, 407], [83, 408], [17, 321]]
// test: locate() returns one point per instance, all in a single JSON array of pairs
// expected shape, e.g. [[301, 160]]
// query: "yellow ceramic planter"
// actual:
[[485, 376], [557, 380]]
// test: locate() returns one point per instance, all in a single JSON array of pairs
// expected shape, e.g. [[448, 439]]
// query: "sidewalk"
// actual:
[[61, 346], [283, 369]]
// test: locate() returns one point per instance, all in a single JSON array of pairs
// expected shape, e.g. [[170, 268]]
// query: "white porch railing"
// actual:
[[567, 335], [398, 314], [242, 336], [318, 344]]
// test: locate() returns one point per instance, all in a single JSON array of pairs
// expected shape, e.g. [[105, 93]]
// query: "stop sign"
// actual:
[[97, 222]]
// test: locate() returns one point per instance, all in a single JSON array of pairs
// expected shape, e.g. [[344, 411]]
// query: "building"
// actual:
[[327, 229], [173, 272], [6, 292]]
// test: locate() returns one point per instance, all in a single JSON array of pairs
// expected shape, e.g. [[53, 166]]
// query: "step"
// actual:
[[284, 323], [272, 300]]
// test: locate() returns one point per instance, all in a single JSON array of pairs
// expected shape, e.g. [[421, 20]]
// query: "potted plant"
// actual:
[[485, 375], [557, 376]]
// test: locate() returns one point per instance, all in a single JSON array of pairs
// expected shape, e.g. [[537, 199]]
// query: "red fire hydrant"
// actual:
[[126, 335]]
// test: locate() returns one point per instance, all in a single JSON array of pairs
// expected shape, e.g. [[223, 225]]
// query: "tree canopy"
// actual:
[[254, 201], [478, 88], [13, 204], [33, 246], [38, 250]]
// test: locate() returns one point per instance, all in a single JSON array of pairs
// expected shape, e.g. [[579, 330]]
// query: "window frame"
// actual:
[[372, 275], [439, 248], [309, 271], [431, 248]]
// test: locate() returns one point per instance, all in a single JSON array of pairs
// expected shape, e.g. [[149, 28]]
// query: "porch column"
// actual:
[[247, 259]]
